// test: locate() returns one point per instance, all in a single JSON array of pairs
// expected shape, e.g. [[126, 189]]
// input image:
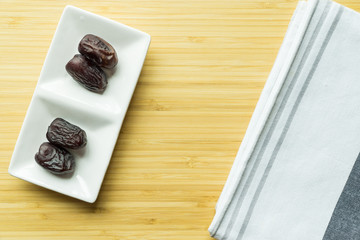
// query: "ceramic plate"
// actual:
[[100, 115]]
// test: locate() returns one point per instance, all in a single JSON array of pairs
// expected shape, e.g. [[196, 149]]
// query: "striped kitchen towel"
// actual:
[[297, 173]]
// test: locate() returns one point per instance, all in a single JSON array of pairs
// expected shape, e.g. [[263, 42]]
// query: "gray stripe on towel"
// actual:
[[345, 220]]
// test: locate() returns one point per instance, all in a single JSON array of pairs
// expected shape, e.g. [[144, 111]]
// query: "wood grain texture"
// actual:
[[205, 69]]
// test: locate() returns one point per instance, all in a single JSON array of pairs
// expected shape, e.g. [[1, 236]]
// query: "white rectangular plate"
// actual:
[[100, 115]]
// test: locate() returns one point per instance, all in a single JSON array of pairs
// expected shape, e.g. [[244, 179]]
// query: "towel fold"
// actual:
[[297, 173]]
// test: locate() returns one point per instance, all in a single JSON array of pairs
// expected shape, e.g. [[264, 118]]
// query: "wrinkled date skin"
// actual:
[[98, 50], [64, 134], [87, 73], [55, 159]]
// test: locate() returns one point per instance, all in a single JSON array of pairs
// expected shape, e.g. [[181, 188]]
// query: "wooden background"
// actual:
[[205, 69]]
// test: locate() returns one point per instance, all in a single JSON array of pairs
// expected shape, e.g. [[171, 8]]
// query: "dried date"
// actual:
[[87, 73], [67, 135], [55, 159], [98, 50]]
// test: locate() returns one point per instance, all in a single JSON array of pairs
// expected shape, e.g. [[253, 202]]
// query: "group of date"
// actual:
[[85, 68]]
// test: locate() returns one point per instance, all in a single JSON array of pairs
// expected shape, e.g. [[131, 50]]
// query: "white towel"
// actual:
[[297, 173]]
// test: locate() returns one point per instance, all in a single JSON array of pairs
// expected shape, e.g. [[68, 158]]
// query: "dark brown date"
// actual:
[[64, 134], [98, 50], [87, 73], [55, 159]]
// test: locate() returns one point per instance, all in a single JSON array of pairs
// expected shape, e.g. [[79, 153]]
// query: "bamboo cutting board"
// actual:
[[204, 72]]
